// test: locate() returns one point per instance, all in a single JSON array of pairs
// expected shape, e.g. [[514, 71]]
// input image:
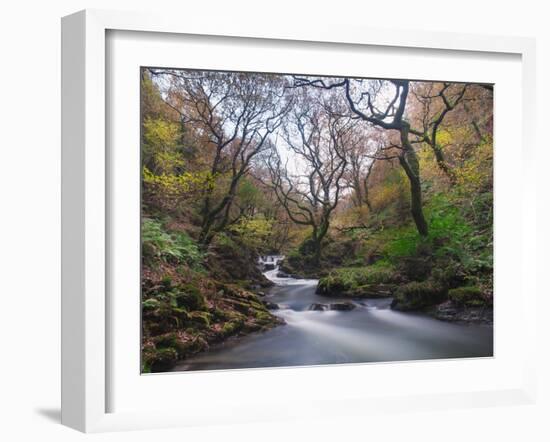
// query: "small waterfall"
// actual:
[[269, 262], [269, 265]]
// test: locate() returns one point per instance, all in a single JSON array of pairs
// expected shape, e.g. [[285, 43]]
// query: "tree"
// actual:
[[316, 136], [436, 101], [383, 103], [363, 150], [236, 113]]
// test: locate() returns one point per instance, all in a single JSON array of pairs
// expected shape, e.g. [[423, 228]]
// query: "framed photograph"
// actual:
[[276, 222]]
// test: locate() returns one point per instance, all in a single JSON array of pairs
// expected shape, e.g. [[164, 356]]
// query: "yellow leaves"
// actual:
[[160, 133], [161, 142], [444, 137], [254, 231], [257, 227], [169, 161], [392, 189], [476, 172], [179, 184]]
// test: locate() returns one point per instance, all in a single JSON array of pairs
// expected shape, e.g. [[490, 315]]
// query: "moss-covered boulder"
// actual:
[[200, 319], [359, 282], [470, 296], [342, 306], [231, 327], [418, 295], [159, 359], [189, 296]]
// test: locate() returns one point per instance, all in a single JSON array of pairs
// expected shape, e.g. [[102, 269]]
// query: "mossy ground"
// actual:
[[186, 308]]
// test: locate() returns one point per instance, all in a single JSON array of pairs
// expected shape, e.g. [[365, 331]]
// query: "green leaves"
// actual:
[[177, 247], [254, 231]]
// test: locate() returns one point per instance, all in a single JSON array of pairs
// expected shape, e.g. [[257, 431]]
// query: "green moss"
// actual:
[[416, 295], [159, 360], [470, 296], [150, 304], [180, 313], [218, 314], [201, 319], [190, 297], [353, 281], [168, 340], [264, 317], [231, 327]]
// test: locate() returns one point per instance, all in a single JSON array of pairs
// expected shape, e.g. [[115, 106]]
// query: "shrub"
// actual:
[[177, 247], [150, 304]]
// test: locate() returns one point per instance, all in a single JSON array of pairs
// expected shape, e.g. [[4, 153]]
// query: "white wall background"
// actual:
[[30, 216]]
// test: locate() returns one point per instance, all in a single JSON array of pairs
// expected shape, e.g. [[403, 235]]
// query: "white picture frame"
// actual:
[[85, 200]]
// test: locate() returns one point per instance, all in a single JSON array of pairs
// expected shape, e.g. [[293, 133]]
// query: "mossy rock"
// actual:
[[264, 317], [181, 313], [470, 296], [168, 340], [161, 360], [375, 281], [241, 306], [161, 321], [200, 319], [374, 291], [449, 274], [231, 328], [417, 295], [190, 297], [218, 314]]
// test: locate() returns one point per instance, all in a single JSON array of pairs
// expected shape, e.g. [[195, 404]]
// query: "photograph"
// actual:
[[292, 220]]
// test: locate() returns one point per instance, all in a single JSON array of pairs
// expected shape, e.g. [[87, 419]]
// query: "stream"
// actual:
[[371, 332]]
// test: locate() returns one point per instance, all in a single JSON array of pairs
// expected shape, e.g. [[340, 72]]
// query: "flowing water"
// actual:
[[372, 332]]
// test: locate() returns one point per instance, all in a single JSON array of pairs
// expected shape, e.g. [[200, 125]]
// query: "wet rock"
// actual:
[[452, 312], [283, 275], [318, 307], [374, 291], [342, 306], [271, 305], [269, 266]]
